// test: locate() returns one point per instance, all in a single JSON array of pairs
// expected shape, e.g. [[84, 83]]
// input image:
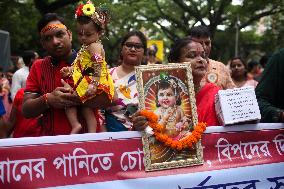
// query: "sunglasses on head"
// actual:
[[137, 46]]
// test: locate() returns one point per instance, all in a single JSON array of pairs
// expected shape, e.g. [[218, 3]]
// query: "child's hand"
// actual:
[[92, 89], [67, 86], [66, 72], [186, 122], [179, 126]]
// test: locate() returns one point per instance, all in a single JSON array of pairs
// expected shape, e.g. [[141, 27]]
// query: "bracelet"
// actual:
[[45, 99]]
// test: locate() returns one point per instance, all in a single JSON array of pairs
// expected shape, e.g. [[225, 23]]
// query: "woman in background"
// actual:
[[133, 48], [239, 73]]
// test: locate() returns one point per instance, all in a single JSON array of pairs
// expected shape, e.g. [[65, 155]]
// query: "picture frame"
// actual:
[[174, 103]]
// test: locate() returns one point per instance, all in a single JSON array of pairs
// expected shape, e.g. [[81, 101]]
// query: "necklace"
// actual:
[[169, 115]]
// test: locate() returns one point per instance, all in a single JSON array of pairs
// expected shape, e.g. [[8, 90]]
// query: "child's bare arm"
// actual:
[[96, 51]]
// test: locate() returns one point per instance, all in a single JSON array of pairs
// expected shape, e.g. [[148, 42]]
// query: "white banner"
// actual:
[[269, 176]]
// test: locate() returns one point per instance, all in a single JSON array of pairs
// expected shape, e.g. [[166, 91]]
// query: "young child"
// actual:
[[88, 75], [169, 111]]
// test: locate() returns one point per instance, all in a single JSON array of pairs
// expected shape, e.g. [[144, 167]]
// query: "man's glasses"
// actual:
[[137, 46]]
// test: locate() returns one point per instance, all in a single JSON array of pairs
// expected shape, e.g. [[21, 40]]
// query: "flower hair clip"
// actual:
[[99, 15]]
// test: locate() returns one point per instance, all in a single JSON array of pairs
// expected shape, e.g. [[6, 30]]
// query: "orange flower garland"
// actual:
[[185, 142]]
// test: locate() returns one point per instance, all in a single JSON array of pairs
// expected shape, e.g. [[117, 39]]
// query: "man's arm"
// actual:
[[35, 104]]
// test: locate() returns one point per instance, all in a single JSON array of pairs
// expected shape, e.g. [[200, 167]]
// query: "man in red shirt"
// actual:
[[44, 93]]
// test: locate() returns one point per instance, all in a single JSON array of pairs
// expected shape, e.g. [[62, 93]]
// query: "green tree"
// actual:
[[273, 38], [175, 18], [19, 19], [160, 19]]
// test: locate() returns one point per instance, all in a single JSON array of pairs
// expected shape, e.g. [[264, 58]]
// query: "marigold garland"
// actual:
[[185, 142]]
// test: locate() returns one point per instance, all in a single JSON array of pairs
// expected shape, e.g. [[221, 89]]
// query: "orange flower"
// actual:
[[174, 144], [179, 146], [186, 142]]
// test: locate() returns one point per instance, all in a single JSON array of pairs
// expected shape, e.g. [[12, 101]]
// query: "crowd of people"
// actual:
[[69, 92]]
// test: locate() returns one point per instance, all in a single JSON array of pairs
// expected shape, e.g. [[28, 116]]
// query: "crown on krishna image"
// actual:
[[99, 15]]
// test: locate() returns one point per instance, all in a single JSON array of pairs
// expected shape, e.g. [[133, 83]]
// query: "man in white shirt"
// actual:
[[20, 76]]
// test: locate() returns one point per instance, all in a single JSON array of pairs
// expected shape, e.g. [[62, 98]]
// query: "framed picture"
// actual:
[[167, 91]]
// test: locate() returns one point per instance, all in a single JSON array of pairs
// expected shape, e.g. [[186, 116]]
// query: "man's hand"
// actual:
[[66, 72], [62, 97], [139, 122]]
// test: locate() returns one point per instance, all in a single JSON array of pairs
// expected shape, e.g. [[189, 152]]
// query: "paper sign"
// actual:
[[237, 105]]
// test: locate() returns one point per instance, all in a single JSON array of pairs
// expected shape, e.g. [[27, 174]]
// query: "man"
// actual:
[[270, 91], [20, 76], [44, 93], [217, 72]]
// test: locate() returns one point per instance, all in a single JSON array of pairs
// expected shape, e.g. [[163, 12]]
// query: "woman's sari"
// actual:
[[205, 103], [125, 93]]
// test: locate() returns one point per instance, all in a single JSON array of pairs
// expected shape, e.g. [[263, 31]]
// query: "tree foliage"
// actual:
[[273, 37], [19, 19], [159, 19], [175, 18]]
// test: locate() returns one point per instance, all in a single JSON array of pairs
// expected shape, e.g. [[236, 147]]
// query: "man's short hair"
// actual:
[[200, 31], [252, 64], [28, 55], [48, 17]]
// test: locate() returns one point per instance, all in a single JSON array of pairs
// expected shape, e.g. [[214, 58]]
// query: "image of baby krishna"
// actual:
[[168, 98]]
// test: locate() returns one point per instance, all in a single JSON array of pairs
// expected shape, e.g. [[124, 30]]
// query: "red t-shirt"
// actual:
[[43, 78], [205, 102], [24, 127]]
